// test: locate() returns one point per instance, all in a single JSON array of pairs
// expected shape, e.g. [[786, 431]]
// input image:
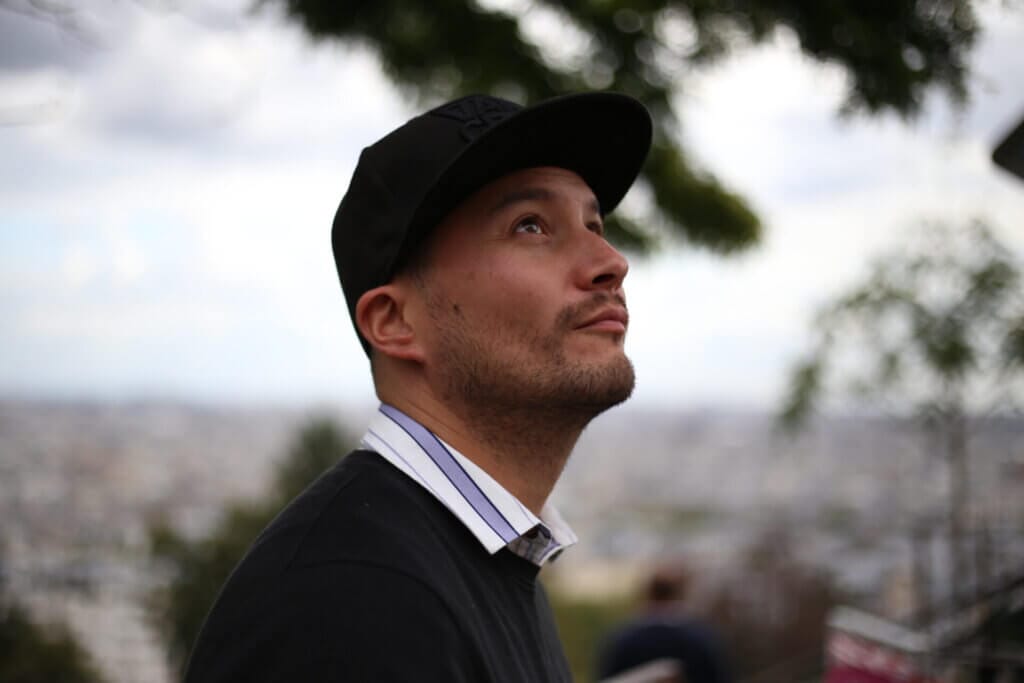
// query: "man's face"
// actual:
[[524, 299]]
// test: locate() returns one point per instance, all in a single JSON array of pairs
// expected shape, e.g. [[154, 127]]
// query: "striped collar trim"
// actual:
[[488, 510]]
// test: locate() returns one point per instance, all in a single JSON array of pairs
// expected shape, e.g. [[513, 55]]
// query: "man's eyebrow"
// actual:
[[527, 194]]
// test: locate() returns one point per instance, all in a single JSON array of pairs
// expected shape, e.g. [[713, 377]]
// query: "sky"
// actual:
[[169, 173]]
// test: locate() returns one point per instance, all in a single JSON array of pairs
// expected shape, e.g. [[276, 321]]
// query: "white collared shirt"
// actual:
[[489, 511]]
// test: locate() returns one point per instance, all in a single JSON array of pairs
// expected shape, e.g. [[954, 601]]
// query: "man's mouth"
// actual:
[[612, 319]]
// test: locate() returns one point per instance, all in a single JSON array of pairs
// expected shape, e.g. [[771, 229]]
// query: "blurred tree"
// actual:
[[200, 567], [30, 654], [893, 53], [318, 447], [936, 332], [772, 609]]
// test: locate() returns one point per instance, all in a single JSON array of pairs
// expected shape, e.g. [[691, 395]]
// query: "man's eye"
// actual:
[[529, 225]]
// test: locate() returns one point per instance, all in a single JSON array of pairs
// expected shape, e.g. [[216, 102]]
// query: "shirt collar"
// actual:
[[489, 511]]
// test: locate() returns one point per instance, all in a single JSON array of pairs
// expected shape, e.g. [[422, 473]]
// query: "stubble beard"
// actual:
[[535, 381]]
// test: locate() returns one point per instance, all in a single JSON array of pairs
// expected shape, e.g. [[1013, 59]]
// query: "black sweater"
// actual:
[[367, 577]]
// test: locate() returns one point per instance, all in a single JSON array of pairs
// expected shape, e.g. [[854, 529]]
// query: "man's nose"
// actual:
[[602, 266]]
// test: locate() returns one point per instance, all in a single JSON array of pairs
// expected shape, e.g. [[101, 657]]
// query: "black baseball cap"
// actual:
[[409, 180]]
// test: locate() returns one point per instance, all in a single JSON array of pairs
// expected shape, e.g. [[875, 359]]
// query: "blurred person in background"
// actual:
[[663, 644], [470, 247]]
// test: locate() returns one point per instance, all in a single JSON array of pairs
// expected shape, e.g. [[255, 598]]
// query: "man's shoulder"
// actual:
[[361, 535], [323, 585], [363, 510]]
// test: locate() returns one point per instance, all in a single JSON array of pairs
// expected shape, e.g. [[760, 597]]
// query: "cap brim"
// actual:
[[602, 137]]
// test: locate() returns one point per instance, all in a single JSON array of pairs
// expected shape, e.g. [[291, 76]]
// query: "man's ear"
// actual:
[[381, 318]]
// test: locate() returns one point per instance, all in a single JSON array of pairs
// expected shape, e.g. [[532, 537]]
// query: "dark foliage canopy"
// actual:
[[30, 653], [893, 53]]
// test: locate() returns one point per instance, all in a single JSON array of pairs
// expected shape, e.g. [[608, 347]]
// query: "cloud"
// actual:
[[31, 40], [153, 87]]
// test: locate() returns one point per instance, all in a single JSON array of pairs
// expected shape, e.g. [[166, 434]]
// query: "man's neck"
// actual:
[[524, 451]]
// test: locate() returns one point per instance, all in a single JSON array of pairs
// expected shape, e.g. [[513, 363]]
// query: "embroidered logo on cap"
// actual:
[[476, 113]]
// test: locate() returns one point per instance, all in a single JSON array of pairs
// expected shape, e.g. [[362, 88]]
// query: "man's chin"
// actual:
[[607, 384]]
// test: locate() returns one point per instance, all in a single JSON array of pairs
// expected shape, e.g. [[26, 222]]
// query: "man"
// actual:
[[663, 644], [471, 252]]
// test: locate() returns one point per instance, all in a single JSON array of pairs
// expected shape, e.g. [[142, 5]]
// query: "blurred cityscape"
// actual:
[[860, 501]]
